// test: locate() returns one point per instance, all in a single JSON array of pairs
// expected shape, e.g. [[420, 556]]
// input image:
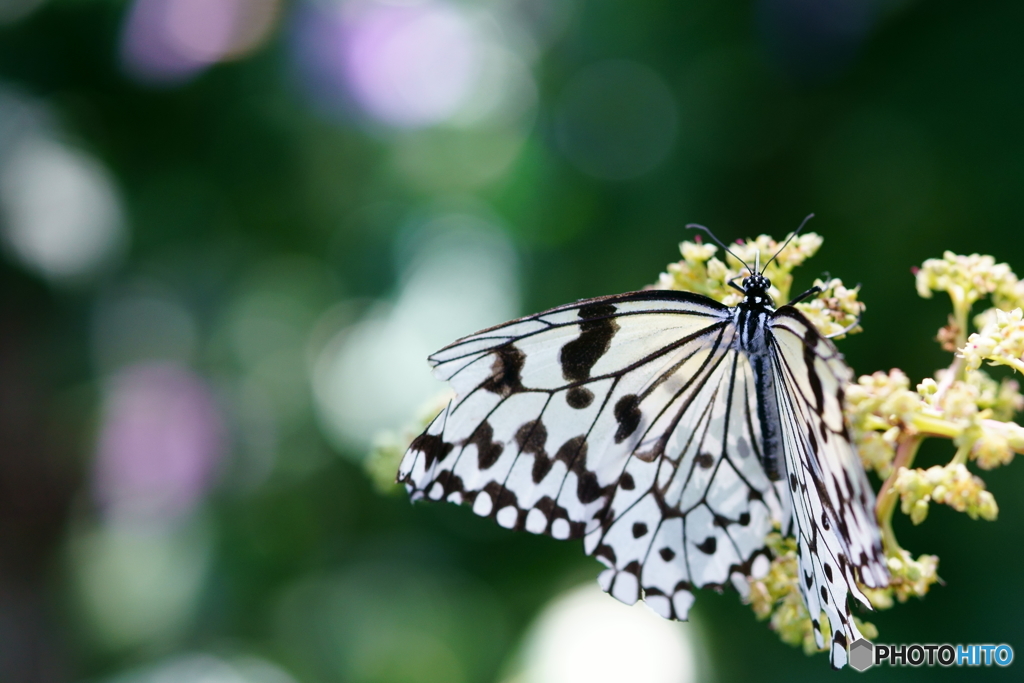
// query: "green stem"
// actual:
[[888, 495], [931, 425], [961, 453], [1014, 363], [961, 311]]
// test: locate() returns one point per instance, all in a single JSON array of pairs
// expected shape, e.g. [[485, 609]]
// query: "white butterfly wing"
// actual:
[[627, 420], [832, 501]]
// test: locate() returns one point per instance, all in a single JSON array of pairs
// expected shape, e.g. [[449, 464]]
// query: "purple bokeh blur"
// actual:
[[160, 445], [408, 66], [170, 41]]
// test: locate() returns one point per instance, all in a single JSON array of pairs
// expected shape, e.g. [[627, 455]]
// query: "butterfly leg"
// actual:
[[843, 331], [809, 293]]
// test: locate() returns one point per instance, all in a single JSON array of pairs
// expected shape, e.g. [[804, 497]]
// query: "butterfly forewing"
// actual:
[[833, 504], [628, 420]]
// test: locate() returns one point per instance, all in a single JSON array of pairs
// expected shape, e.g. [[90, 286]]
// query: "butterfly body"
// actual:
[[672, 433], [751, 317]]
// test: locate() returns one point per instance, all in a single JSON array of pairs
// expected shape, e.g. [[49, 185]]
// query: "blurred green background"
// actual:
[[233, 229]]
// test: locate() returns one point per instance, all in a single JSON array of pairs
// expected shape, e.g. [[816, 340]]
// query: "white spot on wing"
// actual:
[[682, 601], [507, 516], [536, 521], [760, 567], [560, 529], [483, 504]]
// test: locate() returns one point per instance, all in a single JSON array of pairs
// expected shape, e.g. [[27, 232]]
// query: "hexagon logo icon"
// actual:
[[862, 654]]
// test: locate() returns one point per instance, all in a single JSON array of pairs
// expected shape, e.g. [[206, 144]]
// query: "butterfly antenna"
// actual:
[[788, 240], [696, 226]]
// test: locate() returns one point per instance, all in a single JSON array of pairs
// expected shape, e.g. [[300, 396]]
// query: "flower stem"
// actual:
[[930, 425], [961, 453], [887, 496], [1014, 363], [961, 310]]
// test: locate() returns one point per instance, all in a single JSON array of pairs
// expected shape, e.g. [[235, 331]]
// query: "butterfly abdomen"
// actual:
[[768, 416], [751, 320]]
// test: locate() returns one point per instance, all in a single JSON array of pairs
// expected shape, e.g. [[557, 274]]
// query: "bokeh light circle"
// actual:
[[170, 41], [374, 374], [13, 10], [586, 636], [61, 209], [200, 667], [141, 322], [160, 443], [616, 120], [411, 65], [139, 585]]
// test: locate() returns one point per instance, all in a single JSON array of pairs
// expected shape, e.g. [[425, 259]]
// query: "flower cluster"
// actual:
[[700, 271], [834, 311], [908, 578], [976, 410], [880, 407], [1000, 341], [961, 403], [967, 279], [776, 596], [951, 485]]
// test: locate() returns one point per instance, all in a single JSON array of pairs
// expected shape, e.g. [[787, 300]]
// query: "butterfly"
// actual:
[[671, 433]]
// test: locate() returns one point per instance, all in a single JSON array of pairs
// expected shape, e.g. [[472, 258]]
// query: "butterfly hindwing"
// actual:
[[705, 492], [832, 501], [628, 420]]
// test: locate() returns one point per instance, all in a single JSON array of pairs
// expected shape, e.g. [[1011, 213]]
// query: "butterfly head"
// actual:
[[755, 290], [756, 284]]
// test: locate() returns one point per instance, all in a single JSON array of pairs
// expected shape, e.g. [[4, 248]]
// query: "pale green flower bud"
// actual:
[[1014, 434], [987, 508], [835, 309], [717, 271], [697, 253], [912, 578], [1002, 400], [959, 403], [876, 451], [928, 387], [1000, 342], [1009, 294], [919, 512], [991, 449]]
